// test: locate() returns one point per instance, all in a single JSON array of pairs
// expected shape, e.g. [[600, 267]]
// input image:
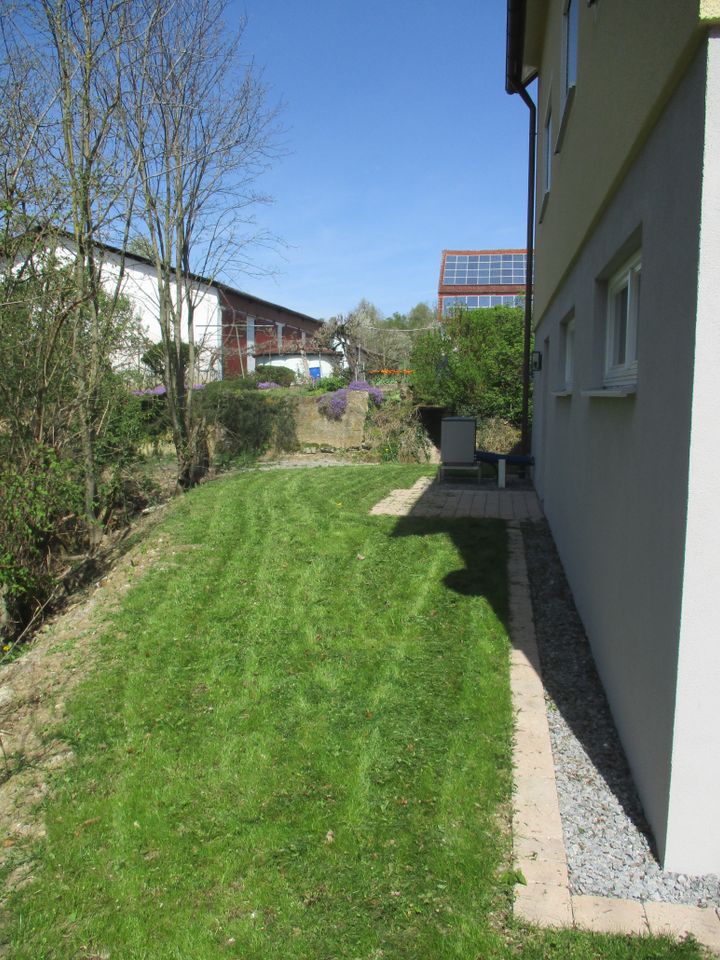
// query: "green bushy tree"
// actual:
[[473, 364], [43, 425], [154, 359], [283, 376]]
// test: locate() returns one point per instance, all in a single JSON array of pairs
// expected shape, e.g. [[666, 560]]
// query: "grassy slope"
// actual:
[[297, 745]]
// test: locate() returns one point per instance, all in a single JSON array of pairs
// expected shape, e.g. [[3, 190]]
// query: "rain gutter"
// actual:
[[514, 83]]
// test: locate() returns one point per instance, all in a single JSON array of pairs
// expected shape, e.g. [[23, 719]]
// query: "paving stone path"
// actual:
[[428, 498]]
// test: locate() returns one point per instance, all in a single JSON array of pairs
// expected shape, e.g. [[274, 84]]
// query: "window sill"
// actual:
[[569, 97], [610, 393], [562, 393], [543, 206]]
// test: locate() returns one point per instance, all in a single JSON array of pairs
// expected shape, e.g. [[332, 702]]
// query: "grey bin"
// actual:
[[457, 441]]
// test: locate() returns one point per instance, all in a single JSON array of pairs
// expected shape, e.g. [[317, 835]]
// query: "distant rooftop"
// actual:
[[481, 278], [483, 267]]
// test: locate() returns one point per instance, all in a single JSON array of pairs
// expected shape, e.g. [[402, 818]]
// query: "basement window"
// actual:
[[623, 309]]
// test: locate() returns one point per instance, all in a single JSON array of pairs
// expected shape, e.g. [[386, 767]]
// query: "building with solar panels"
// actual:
[[481, 278]]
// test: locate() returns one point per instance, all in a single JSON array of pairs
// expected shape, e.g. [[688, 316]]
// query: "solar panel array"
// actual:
[[469, 269], [489, 300]]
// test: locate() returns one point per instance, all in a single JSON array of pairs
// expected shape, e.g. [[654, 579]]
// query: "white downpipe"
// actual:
[[250, 343]]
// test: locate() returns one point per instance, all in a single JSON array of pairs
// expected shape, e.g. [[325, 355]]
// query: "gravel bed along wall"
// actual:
[[607, 841]]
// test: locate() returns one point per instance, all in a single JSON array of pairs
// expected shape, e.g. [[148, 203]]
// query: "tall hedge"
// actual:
[[473, 364], [249, 421]]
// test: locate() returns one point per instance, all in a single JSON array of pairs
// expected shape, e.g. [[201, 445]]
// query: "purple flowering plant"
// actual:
[[333, 405], [375, 393], [268, 385], [160, 390]]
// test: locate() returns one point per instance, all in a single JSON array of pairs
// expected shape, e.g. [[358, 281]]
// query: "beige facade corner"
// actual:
[[620, 49], [638, 549], [710, 10]]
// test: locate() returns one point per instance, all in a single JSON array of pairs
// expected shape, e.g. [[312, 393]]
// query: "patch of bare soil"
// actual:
[[35, 687]]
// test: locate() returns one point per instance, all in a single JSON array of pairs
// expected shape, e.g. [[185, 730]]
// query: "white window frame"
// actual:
[[622, 314]]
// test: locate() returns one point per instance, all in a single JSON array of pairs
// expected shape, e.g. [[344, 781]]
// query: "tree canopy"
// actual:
[[118, 119], [473, 364], [368, 339]]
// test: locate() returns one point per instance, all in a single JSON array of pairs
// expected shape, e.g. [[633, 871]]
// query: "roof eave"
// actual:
[[514, 45], [525, 26]]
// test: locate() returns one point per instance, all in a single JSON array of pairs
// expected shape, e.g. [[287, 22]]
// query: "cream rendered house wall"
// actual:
[[301, 364], [631, 486], [630, 56]]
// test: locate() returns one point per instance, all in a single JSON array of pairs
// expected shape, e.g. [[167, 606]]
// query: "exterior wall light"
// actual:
[[536, 361]]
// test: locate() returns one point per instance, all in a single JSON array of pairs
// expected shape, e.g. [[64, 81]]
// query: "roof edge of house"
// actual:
[[196, 278], [514, 45]]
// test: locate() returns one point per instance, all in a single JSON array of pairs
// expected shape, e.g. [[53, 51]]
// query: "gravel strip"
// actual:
[[607, 840]]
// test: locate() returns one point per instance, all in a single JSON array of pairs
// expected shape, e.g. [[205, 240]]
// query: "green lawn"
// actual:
[[297, 744]]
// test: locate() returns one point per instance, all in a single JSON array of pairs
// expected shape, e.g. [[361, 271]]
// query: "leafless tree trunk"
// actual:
[[200, 133], [75, 75]]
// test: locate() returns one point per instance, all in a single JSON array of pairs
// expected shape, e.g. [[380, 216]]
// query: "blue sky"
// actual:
[[401, 141]]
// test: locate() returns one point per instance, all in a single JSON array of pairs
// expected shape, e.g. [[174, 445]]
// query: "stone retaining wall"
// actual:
[[314, 429]]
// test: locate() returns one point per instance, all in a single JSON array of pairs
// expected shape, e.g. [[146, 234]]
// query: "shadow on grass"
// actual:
[[482, 545], [568, 670]]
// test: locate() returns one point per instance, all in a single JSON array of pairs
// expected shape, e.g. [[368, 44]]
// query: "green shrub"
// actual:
[[129, 423], [249, 422], [335, 381], [248, 382], [329, 384], [497, 435], [473, 365], [154, 359], [154, 419], [283, 376], [395, 432], [40, 502]]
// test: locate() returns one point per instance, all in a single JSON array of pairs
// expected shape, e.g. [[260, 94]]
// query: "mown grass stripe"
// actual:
[[287, 751]]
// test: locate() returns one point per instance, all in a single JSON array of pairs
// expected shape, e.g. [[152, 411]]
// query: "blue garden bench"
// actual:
[[501, 460]]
